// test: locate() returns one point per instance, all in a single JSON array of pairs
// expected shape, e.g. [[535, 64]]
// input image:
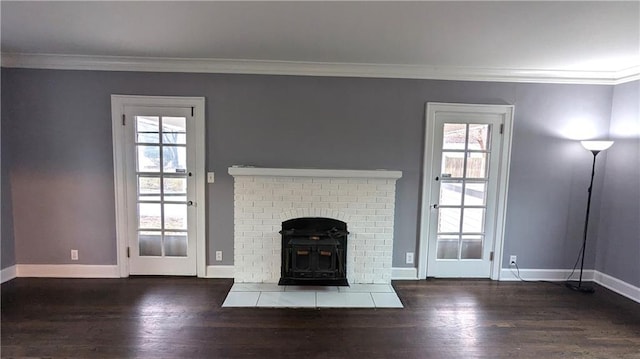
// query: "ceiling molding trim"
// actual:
[[628, 75], [262, 67]]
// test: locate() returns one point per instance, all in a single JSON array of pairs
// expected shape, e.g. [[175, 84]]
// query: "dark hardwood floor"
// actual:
[[149, 317]]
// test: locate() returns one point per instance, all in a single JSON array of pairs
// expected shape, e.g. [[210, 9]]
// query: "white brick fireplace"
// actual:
[[265, 197]]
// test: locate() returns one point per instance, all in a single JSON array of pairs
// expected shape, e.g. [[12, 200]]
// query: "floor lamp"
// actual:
[[595, 147]]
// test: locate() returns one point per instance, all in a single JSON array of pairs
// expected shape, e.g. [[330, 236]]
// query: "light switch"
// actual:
[[210, 177]]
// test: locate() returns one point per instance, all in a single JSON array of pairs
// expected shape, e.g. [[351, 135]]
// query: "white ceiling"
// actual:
[[575, 40]]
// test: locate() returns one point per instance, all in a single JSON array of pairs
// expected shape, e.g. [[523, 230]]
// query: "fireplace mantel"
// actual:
[[312, 172]]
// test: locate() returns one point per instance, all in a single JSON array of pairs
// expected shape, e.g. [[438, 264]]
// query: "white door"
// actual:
[[159, 182], [160, 179], [463, 198]]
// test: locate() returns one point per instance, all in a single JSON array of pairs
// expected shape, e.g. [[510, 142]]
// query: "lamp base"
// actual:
[[579, 287]]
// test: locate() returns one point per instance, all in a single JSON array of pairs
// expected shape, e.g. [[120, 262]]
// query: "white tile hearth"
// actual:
[[310, 288], [386, 300], [269, 295], [372, 288], [344, 300], [241, 299], [257, 287], [287, 299]]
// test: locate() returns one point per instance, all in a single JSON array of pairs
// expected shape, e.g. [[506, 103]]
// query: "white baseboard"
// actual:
[[616, 285], [67, 271], [227, 271], [7, 274], [404, 273], [220, 271], [510, 274]]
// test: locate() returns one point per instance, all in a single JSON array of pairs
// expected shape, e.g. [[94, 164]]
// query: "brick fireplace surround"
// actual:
[[265, 197]]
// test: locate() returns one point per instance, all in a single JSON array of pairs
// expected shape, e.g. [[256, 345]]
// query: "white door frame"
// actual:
[[118, 104], [503, 178]]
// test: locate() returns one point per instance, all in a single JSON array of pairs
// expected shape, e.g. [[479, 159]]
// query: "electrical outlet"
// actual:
[[409, 258], [218, 256], [211, 177], [513, 260], [74, 254]]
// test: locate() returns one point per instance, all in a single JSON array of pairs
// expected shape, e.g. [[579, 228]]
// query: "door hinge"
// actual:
[[501, 128], [491, 256], [128, 252], [191, 111], [123, 120]]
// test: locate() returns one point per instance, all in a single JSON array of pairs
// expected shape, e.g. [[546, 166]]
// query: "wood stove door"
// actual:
[[302, 260], [326, 261]]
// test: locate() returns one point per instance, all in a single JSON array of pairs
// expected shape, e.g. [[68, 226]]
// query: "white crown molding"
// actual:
[[264, 67], [627, 75]]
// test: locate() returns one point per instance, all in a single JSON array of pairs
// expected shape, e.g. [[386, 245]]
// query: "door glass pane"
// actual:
[[471, 247], [174, 124], [175, 198], [174, 130], [175, 189], [175, 244], [148, 159], [449, 220], [477, 164], [447, 247], [478, 137], [451, 193], [175, 159], [148, 185], [150, 243], [175, 185], [452, 164], [149, 215], [473, 221], [475, 193], [175, 216], [146, 137], [147, 129], [455, 135], [174, 138]]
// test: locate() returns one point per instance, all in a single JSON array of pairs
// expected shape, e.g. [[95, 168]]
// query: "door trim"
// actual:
[[118, 104], [503, 178]]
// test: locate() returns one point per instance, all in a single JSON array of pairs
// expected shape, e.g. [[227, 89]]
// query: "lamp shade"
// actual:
[[596, 145]]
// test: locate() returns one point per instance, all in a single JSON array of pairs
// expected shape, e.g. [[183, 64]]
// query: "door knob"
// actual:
[[189, 203]]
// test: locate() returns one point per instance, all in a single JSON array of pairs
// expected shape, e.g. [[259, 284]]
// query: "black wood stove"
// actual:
[[314, 252]]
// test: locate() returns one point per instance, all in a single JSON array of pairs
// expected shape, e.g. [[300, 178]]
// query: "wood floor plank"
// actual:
[[164, 317]]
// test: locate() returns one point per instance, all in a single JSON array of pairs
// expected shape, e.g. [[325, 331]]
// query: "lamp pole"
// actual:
[[595, 147]]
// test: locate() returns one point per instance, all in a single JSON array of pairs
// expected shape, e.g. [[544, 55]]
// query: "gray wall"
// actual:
[[7, 249], [58, 128], [550, 173], [619, 235]]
